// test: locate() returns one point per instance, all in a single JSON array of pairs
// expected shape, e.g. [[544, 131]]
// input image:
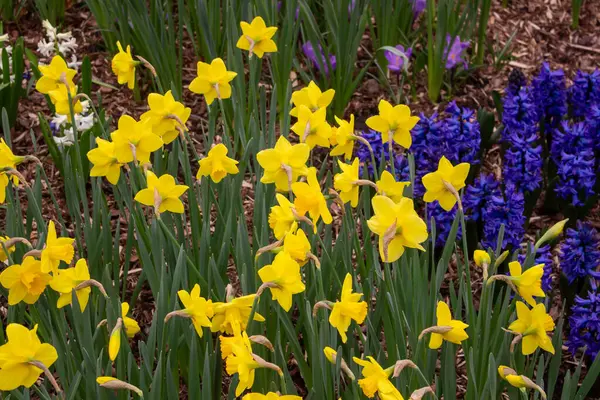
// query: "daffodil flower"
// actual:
[[376, 380], [347, 182], [519, 381], [227, 342], [54, 76], [348, 308], [532, 325], [446, 328], [243, 362], [197, 308], [22, 356], [123, 65], [25, 282], [309, 198], [213, 80], [166, 116], [66, 280], [443, 185], [270, 396], [163, 193], [312, 127], [482, 259], [527, 284], [56, 250], [104, 158], [256, 37], [312, 97], [387, 186], [62, 99], [7, 160], [343, 138], [398, 226], [394, 123], [284, 275], [232, 316], [109, 382], [217, 164], [284, 163], [298, 247], [134, 140], [114, 340], [282, 218], [131, 325]]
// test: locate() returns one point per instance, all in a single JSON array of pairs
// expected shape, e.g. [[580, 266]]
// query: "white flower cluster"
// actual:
[[83, 122], [8, 49], [55, 42]]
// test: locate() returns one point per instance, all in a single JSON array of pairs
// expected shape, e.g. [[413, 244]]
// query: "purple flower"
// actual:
[[310, 53], [477, 194], [584, 93], [418, 6], [550, 94], [454, 54], [584, 323], [504, 210], [579, 254], [396, 62]]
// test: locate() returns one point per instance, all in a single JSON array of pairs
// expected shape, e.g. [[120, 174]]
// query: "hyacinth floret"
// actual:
[[477, 194], [520, 112], [579, 254], [584, 92], [381, 151], [523, 160], [507, 209], [550, 94], [516, 80], [584, 323]]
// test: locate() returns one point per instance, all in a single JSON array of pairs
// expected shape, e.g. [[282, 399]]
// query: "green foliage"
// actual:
[[575, 11], [11, 87], [51, 10]]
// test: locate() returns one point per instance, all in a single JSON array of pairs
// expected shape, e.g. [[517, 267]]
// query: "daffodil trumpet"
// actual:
[[116, 384], [49, 376]]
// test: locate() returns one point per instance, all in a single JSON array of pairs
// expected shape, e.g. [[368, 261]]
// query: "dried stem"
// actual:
[[264, 286], [321, 304], [452, 190], [49, 376], [177, 313], [265, 364], [268, 248], [92, 282], [435, 329], [260, 339], [401, 364]]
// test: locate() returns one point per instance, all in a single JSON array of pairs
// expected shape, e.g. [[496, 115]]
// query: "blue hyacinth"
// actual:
[[543, 256], [443, 222], [584, 93], [584, 323], [516, 80], [477, 194], [462, 136], [579, 254], [504, 209], [520, 112], [549, 91], [523, 160], [573, 153]]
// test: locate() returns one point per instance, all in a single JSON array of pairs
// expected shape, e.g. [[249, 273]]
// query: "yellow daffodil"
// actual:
[[56, 250], [528, 283], [519, 381], [312, 97], [387, 186], [20, 354], [217, 164], [114, 340], [270, 396], [163, 193], [533, 324], [394, 123], [242, 362], [443, 185], [284, 273], [131, 325], [376, 380], [281, 218], [284, 163], [297, 246], [60, 99], [481, 257], [213, 80], [226, 344], [347, 182], [348, 308], [68, 279], [53, 76], [310, 199], [331, 356], [343, 138], [256, 37], [7, 160], [123, 65], [197, 308], [446, 328], [25, 282], [231, 317], [9, 249], [109, 382], [312, 128], [134, 140], [104, 158], [166, 115], [398, 226]]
